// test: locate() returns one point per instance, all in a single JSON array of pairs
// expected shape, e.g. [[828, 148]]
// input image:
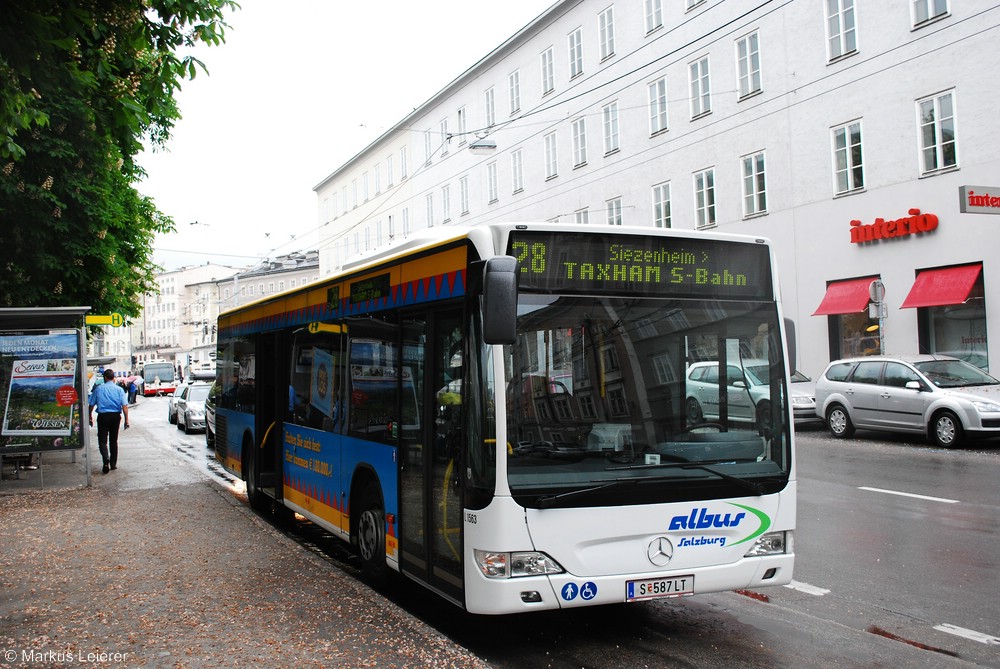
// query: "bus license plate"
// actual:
[[674, 586]]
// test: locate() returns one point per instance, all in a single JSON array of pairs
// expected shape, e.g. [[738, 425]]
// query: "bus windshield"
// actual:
[[607, 390]]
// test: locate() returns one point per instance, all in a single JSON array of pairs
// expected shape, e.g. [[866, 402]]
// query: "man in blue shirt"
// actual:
[[110, 400]]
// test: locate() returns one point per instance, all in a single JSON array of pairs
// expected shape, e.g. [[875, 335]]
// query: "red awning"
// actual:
[[845, 297], [940, 287]]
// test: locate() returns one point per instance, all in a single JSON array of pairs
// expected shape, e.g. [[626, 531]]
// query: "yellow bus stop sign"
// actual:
[[114, 320], [315, 327]]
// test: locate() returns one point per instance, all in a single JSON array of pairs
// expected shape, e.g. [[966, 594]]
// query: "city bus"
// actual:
[[158, 378], [502, 413]]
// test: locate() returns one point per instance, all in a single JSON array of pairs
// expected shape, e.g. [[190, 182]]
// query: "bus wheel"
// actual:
[[371, 535], [258, 500], [946, 430]]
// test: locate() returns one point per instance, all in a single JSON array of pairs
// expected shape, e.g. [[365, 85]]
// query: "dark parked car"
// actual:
[[213, 395], [939, 396]]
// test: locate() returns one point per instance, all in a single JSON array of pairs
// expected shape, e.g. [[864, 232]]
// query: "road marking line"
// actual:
[[910, 494], [972, 635], [806, 588]]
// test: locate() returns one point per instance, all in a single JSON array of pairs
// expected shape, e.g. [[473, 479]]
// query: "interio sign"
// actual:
[[979, 200], [915, 223]]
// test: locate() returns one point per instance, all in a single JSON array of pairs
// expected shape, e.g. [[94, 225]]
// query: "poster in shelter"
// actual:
[[39, 373]]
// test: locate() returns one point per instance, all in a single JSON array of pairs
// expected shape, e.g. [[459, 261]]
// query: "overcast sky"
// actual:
[[299, 87]]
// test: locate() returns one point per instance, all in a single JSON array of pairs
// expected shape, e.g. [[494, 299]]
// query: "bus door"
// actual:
[[269, 415], [430, 462]]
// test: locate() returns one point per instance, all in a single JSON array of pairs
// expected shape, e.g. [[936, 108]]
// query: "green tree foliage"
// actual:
[[83, 83]]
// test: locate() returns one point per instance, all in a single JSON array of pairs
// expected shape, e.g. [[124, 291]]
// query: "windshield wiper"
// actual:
[[545, 501], [751, 486]]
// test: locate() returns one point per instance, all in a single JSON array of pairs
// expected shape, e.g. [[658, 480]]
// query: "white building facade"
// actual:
[[174, 316], [858, 136]]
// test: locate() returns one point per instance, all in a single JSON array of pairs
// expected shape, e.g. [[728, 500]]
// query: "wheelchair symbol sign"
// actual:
[[586, 592]]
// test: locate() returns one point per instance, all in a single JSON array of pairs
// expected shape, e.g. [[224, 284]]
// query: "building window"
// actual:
[[445, 137], [664, 368], [548, 72], [514, 88], [606, 32], [388, 171], [406, 221], [551, 157], [492, 187], [354, 193], [610, 115], [654, 15], [938, 148], [391, 225], [841, 30], [364, 186], [463, 194], [704, 198], [428, 147], [925, 10], [378, 178], [429, 199], [579, 142], [614, 209], [581, 216], [402, 162], [748, 64], [658, 106], [462, 125], [754, 185], [576, 53], [489, 102], [661, 205], [701, 93], [848, 167], [517, 171], [446, 203]]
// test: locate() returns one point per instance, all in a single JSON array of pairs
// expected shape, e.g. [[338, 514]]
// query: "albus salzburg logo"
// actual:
[[702, 519]]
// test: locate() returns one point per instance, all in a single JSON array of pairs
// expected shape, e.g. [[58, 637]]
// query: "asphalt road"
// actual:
[[896, 566]]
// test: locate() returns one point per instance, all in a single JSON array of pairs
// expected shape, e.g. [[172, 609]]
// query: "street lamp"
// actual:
[[482, 146]]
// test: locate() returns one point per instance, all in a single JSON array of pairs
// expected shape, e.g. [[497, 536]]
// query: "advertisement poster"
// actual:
[[38, 385]]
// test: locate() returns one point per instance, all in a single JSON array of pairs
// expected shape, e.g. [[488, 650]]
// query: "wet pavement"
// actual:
[[156, 565]]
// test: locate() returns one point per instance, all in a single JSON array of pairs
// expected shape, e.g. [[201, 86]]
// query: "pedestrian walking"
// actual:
[[132, 390], [111, 402]]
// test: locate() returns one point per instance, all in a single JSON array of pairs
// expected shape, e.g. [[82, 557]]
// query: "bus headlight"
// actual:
[[514, 565], [772, 543]]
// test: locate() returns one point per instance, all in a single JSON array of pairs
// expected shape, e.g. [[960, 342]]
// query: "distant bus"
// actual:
[[158, 378], [503, 414]]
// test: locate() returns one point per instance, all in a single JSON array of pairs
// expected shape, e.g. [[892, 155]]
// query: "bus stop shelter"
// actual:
[[43, 364]]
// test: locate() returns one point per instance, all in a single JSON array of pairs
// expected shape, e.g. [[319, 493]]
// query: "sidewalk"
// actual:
[[153, 566]]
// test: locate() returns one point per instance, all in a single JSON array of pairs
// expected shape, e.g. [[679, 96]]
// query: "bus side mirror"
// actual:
[[500, 300], [790, 343]]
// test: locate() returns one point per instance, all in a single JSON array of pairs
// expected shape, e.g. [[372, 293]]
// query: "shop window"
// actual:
[[958, 330], [857, 334]]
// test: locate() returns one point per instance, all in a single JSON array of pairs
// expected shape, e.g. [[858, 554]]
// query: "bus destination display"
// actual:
[[575, 262]]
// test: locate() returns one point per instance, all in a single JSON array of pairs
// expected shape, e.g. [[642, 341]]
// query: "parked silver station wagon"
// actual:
[[940, 396]]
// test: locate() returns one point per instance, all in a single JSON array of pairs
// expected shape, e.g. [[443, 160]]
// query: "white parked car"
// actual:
[[172, 403], [191, 406], [803, 395], [941, 397], [747, 391]]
